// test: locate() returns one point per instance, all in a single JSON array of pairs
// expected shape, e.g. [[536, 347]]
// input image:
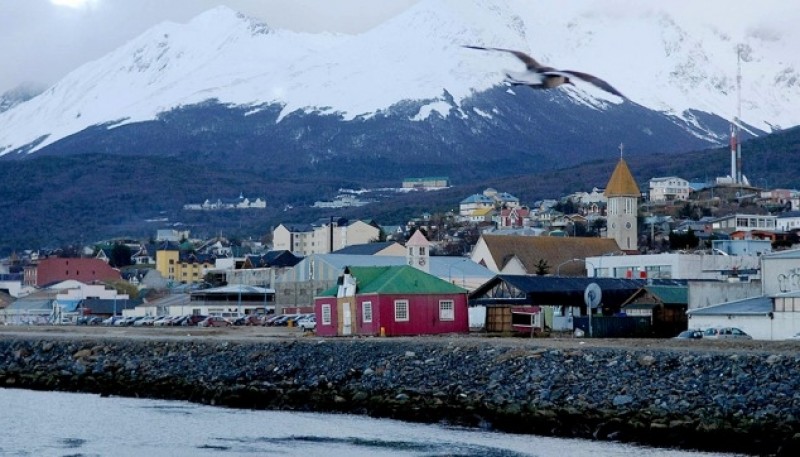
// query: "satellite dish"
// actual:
[[592, 295]]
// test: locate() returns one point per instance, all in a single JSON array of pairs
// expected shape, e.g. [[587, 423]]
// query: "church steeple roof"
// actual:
[[622, 183]]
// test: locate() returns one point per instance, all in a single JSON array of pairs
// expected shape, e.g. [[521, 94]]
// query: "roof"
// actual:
[[109, 306], [279, 258], [670, 295], [234, 289], [553, 249], [557, 290], [477, 198], [788, 254], [622, 183], [441, 266], [482, 211], [396, 280], [365, 249], [749, 306]]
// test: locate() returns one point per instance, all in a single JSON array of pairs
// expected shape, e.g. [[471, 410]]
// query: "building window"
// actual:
[[326, 314], [401, 310], [421, 250], [366, 311], [446, 310]]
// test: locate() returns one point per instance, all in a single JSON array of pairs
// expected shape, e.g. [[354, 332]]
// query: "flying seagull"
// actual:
[[539, 76]]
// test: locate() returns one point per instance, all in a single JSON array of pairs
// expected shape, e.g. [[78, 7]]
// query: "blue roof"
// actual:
[[477, 198], [365, 249], [748, 306]]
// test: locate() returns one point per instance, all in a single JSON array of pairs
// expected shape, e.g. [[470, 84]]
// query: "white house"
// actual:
[[669, 189], [745, 223], [674, 266], [788, 221], [474, 202], [323, 237]]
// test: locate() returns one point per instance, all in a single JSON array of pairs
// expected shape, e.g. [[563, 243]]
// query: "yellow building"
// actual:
[[188, 270]]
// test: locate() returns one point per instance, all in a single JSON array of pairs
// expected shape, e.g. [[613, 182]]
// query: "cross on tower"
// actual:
[[621, 148]]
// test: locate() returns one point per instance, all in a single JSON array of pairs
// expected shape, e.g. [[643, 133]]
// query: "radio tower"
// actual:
[[736, 147]]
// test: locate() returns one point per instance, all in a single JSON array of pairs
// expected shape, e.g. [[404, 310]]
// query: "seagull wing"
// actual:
[[529, 61], [592, 80]]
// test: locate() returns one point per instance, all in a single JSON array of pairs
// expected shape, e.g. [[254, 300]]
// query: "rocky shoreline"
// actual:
[[745, 402]]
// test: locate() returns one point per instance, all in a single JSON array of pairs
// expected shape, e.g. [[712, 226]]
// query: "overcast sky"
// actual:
[[43, 40]]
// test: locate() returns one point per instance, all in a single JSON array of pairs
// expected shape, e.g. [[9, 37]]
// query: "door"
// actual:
[[347, 320]]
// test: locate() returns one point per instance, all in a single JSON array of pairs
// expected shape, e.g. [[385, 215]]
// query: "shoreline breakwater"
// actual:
[[713, 401]]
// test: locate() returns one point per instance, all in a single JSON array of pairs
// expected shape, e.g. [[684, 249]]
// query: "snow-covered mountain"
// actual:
[[19, 94], [413, 73]]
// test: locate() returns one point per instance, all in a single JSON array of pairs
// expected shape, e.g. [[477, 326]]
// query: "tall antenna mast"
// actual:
[[736, 149], [738, 113]]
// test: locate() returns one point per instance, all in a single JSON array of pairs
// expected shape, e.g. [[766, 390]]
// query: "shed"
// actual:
[[557, 298], [665, 306]]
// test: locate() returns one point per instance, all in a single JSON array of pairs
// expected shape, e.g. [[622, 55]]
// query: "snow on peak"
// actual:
[[661, 61]]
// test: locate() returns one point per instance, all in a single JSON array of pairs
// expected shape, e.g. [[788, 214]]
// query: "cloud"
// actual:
[[49, 40]]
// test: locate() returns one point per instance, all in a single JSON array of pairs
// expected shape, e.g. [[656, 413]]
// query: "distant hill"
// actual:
[[75, 199]]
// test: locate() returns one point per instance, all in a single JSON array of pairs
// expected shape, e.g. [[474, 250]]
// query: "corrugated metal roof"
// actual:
[[445, 267], [234, 289], [748, 306], [670, 295], [396, 280], [788, 254], [622, 183]]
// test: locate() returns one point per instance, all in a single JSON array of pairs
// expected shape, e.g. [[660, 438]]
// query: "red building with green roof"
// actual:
[[391, 301]]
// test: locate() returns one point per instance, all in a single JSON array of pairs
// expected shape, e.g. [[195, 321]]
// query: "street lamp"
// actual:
[[450, 272], [558, 268]]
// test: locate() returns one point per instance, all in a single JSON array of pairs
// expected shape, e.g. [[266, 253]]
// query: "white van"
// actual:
[[229, 315]]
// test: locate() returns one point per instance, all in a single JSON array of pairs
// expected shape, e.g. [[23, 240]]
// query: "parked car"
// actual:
[[214, 321], [146, 321], [162, 321], [112, 320], [193, 320], [250, 319], [270, 321], [125, 321], [308, 323], [689, 335], [725, 333], [795, 337]]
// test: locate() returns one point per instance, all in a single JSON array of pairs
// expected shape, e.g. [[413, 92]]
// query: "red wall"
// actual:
[[423, 315], [332, 328], [84, 270]]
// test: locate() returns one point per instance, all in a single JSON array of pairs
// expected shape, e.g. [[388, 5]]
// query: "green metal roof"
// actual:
[[671, 295], [401, 279]]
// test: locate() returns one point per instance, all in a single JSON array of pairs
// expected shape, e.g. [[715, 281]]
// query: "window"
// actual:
[[326, 314], [421, 250], [401, 310], [446, 310], [366, 311]]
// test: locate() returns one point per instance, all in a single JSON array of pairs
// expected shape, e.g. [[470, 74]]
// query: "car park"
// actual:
[[689, 335], [725, 333]]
